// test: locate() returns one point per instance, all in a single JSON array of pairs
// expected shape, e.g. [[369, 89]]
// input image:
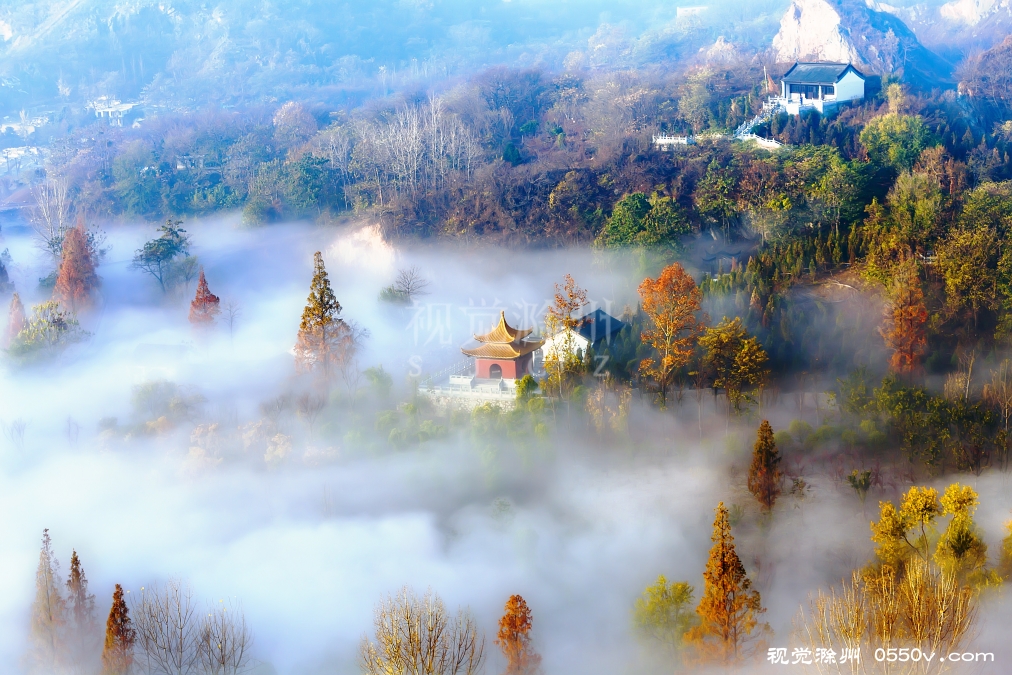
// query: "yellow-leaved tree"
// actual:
[[562, 362], [664, 614], [910, 597]]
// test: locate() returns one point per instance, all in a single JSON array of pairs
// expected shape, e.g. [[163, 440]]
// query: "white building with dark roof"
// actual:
[[820, 86]]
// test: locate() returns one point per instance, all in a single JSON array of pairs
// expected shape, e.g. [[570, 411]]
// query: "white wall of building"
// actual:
[[850, 87], [566, 341]]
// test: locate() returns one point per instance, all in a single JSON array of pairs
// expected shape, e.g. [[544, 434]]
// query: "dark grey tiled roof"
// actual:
[[817, 73], [598, 326]]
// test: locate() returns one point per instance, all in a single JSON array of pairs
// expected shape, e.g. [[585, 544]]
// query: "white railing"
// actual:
[[664, 140], [771, 107], [455, 369]]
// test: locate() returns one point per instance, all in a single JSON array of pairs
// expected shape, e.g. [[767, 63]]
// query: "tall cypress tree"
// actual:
[[80, 613], [48, 612], [729, 608], [204, 307], [324, 338], [76, 278], [765, 476], [120, 636]]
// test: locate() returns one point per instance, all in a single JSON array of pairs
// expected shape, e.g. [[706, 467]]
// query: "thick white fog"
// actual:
[[309, 545]]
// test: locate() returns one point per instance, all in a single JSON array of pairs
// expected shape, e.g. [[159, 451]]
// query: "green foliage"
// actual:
[[165, 257], [896, 140], [380, 380], [137, 181], [639, 221], [50, 329], [163, 399], [860, 481], [527, 387], [664, 613], [734, 360]]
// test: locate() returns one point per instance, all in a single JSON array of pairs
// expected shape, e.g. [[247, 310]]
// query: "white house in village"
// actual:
[[820, 86], [592, 330]]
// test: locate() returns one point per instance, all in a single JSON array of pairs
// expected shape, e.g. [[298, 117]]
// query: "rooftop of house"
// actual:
[[818, 73], [599, 325], [503, 333]]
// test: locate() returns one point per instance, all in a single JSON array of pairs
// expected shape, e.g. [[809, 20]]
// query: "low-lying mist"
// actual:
[[310, 532]]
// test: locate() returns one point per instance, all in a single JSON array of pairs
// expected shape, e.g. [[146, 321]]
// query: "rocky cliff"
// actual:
[[876, 41]]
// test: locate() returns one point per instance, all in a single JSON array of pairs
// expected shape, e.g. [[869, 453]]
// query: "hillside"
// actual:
[[184, 54]]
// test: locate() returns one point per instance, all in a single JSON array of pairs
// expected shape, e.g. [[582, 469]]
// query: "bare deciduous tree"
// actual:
[[309, 408], [419, 636], [168, 630], [225, 640], [410, 282], [231, 311], [51, 218], [15, 432]]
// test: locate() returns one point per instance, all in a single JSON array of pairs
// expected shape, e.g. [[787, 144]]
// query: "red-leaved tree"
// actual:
[[76, 278], [204, 307]]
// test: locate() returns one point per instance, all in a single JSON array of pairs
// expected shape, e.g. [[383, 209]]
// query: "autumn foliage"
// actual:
[[514, 638], [672, 302], [905, 325], [764, 475], [120, 636], [729, 608], [325, 339], [76, 279], [562, 363], [204, 306]]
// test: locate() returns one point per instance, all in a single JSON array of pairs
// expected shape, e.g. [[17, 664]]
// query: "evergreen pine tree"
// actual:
[[120, 636], [324, 338], [764, 476], [729, 608], [204, 307], [16, 320], [80, 614], [76, 278], [48, 613], [514, 638]]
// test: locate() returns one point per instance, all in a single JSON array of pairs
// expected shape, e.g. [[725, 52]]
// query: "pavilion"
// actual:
[[503, 352]]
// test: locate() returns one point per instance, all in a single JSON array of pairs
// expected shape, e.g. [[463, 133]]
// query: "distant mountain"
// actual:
[[851, 31], [182, 54], [961, 26]]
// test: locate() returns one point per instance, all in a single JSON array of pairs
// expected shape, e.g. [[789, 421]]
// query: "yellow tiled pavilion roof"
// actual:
[[503, 333], [502, 350]]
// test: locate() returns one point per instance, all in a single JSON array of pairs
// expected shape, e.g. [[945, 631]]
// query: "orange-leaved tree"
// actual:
[[906, 318], [204, 306], [672, 302], [729, 608], [76, 279], [514, 638], [120, 636], [764, 475], [325, 339]]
